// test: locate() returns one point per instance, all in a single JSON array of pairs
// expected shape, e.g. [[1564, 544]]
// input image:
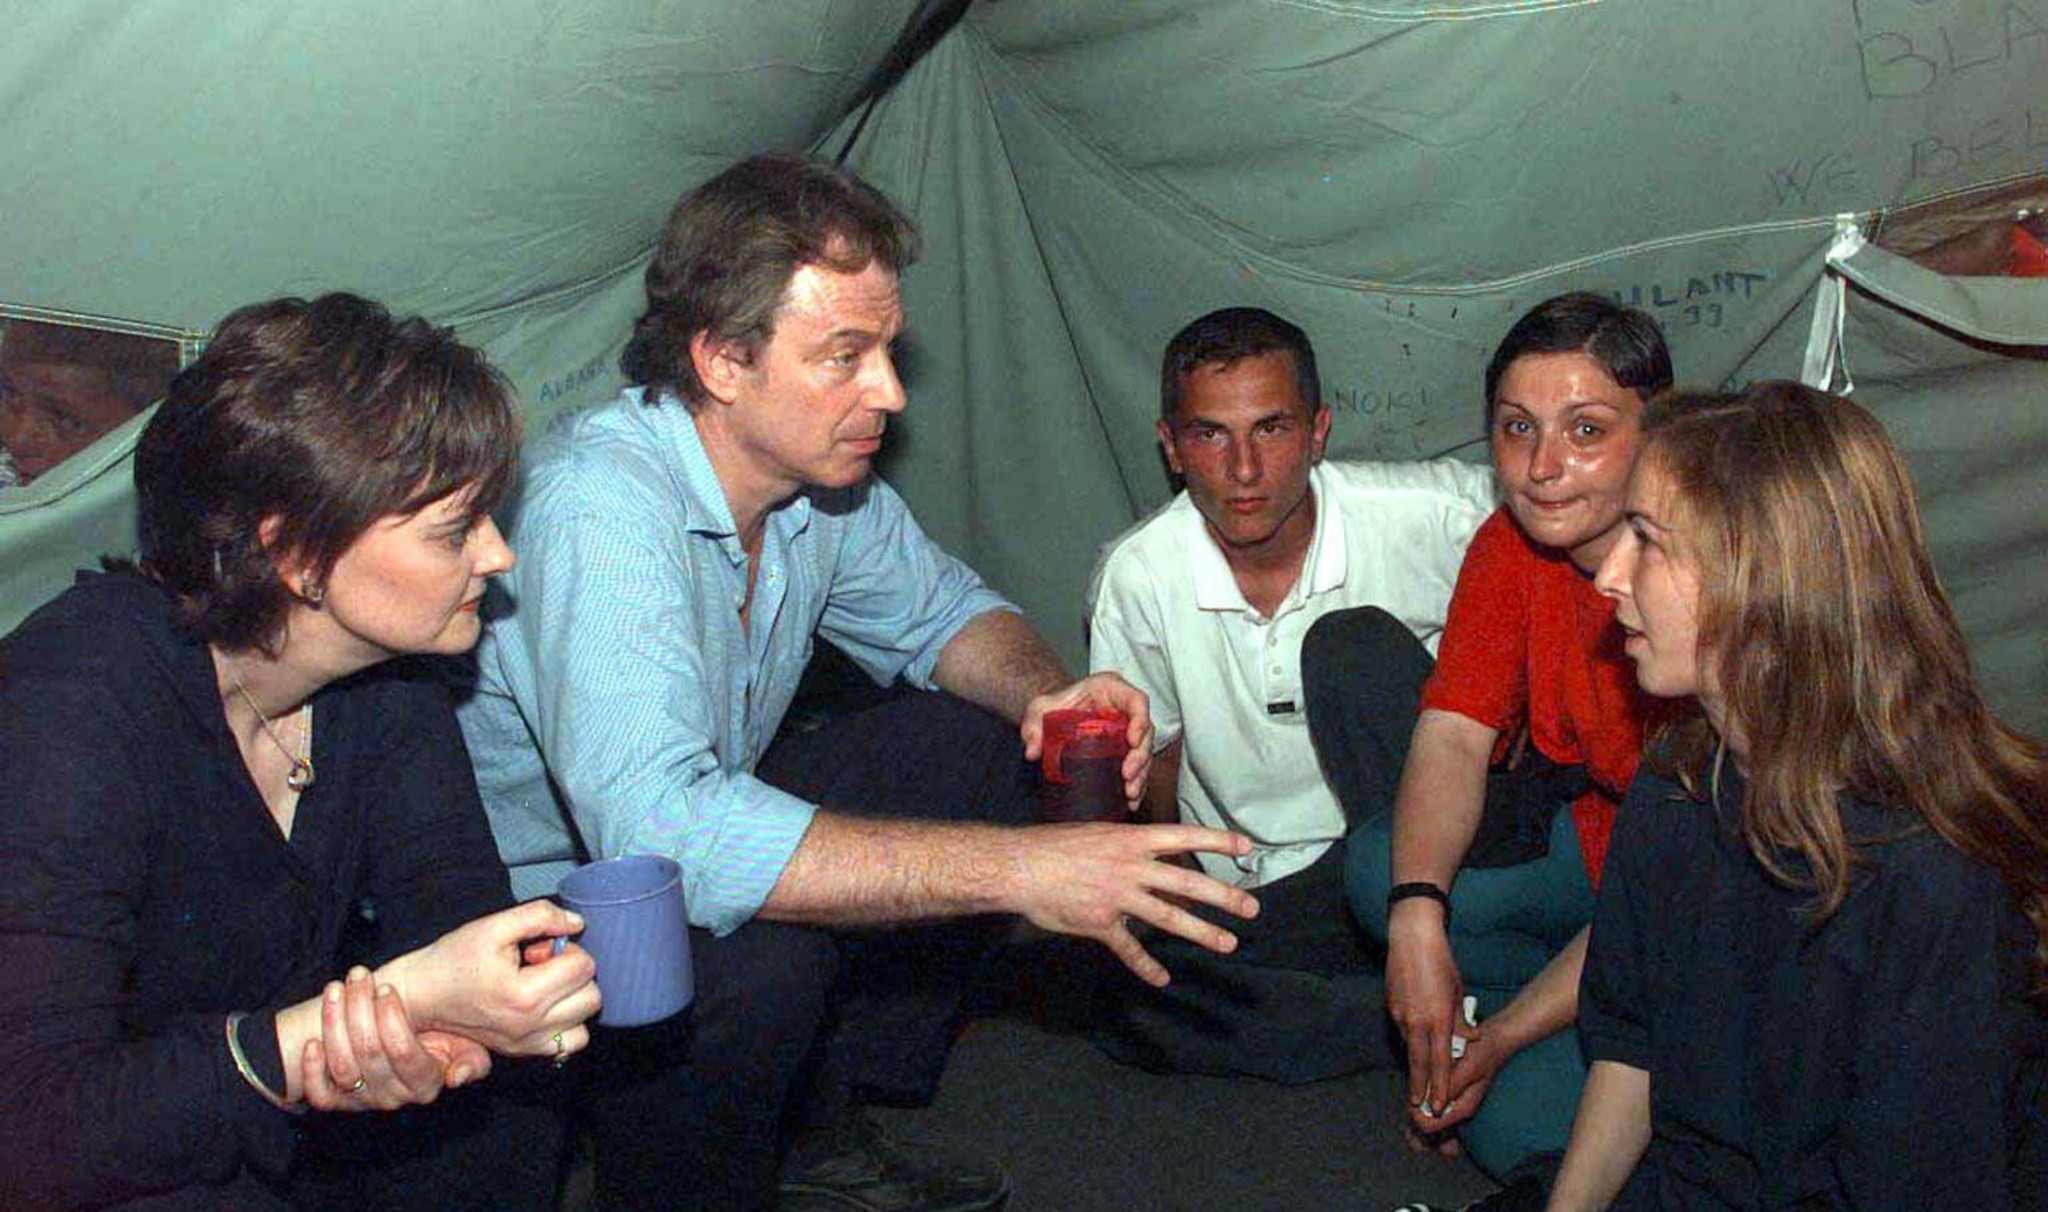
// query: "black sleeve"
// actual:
[[431, 862], [1926, 1125], [1614, 993], [89, 1112]]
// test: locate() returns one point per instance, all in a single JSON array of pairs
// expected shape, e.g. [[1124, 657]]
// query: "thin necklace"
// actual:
[[300, 776]]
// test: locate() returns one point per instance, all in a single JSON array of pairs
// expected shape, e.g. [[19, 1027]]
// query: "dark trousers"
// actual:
[[492, 1147], [1362, 673], [1300, 999], [790, 1022]]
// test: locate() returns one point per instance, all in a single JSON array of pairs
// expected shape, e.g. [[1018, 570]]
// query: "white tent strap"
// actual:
[[1830, 306]]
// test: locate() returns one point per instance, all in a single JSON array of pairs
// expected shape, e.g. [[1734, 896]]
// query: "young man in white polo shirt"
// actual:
[[1205, 606]]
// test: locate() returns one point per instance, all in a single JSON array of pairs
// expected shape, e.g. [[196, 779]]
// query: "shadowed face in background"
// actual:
[[62, 386], [51, 410]]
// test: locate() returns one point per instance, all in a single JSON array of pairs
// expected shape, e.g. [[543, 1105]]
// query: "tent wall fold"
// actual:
[[1401, 179]]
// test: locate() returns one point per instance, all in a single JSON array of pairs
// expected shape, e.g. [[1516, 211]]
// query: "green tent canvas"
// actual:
[[1779, 184]]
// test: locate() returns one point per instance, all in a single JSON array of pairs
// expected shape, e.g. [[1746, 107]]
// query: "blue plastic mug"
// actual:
[[635, 928]]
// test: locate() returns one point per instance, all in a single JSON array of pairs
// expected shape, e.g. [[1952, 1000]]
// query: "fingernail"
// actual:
[[333, 992], [386, 991], [457, 1076], [359, 973]]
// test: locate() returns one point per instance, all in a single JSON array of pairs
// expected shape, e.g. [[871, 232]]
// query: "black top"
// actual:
[[145, 892], [1885, 1060]]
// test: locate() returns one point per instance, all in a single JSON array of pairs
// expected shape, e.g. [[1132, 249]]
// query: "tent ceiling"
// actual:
[[1331, 135], [1401, 177], [443, 157]]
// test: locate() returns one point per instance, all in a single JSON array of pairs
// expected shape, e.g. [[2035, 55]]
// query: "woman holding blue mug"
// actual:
[[247, 872]]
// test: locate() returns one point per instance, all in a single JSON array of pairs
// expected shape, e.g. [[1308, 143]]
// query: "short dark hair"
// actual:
[[1625, 341], [730, 248], [1226, 335], [327, 416]]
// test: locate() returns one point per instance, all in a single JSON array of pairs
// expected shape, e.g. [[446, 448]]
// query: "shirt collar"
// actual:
[[1322, 569], [705, 509], [1329, 556]]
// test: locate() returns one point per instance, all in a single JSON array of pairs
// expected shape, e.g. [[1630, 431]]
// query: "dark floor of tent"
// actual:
[[1078, 1132]]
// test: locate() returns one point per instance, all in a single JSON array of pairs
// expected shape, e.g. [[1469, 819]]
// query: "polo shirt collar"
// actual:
[[1329, 556], [1322, 570], [1215, 585]]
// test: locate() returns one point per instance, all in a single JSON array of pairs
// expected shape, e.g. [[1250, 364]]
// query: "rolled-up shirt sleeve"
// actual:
[[622, 698]]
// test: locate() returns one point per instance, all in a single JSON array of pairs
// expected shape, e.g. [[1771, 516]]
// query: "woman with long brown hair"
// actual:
[[1813, 969]]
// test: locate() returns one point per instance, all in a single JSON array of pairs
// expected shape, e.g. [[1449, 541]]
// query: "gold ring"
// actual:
[[561, 1051], [360, 1083]]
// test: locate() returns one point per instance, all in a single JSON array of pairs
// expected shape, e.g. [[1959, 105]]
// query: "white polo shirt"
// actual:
[[1166, 612]]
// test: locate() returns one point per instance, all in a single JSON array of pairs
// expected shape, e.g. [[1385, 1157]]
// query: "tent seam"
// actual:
[[35, 314], [1476, 12], [983, 54]]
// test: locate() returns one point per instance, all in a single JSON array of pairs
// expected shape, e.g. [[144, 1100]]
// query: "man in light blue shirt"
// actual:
[[681, 550]]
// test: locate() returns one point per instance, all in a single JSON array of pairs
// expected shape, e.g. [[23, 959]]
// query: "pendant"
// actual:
[[300, 776]]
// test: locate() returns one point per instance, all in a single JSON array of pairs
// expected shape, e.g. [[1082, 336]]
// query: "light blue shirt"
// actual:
[[621, 705]]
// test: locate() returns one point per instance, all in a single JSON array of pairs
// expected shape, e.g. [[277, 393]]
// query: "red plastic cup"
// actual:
[[1082, 761]]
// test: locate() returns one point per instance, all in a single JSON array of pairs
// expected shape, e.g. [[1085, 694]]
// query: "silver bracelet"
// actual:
[[248, 1074]]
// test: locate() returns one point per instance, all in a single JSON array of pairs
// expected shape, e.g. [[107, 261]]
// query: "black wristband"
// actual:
[[1402, 892]]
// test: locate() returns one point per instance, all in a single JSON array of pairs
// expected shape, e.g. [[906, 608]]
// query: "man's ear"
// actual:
[[1166, 447], [720, 364], [1319, 431]]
